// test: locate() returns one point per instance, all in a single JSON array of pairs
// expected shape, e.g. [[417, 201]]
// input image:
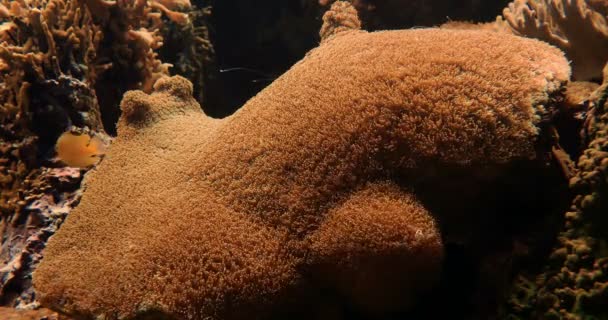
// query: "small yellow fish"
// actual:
[[79, 150]]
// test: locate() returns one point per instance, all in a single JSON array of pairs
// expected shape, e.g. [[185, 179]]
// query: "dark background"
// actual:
[[256, 41]]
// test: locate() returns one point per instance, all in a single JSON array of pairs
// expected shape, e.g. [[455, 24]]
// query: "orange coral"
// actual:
[[341, 17], [62, 63], [381, 215], [42, 314], [228, 218], [175, 4], [572, 25], [578, 27], [176, 17]]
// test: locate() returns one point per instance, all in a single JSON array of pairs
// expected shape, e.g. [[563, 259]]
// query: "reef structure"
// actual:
[[41, 314], [578, 27], [312, 183], [64, 66], [573, 283]]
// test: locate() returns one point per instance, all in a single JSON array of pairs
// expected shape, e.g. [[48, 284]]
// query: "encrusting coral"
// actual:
[[311, 183], [44, 198], [42, 90], [340, 17]]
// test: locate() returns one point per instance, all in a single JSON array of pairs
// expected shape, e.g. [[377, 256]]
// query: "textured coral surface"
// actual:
[[578, 27], [573, 283], [64, 65], [195, 217], [41, 314]]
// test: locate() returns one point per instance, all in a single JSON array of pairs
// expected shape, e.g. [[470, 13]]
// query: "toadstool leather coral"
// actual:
[[309, 184]]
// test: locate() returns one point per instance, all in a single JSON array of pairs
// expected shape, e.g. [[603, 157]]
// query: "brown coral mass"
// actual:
[[196, 217]]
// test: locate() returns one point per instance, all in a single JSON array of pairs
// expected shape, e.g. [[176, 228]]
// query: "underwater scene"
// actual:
[[303, 159]]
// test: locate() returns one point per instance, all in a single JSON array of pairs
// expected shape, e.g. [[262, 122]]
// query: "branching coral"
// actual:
[[188, 48], [126, 54], [572, 25], [578, 27], [341, 17], [228, 218]]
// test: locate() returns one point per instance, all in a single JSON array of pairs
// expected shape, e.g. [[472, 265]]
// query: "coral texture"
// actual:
[[572, 25], [574, 284], [341, 17], [44, 50], [578, 27], [311, 180], [63, 65], [48, 196]]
